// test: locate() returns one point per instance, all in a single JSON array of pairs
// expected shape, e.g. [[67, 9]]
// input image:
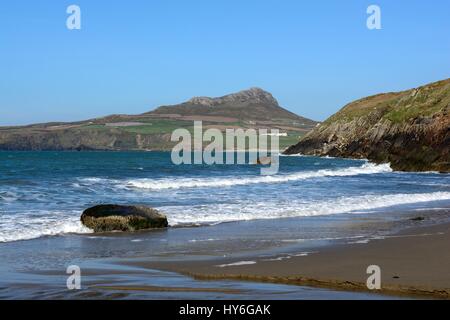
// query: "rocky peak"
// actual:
[[252, 95]]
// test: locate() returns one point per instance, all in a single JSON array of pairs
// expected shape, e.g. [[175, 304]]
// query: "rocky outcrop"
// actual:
[[409, 129], [252, 95], [106, 218]]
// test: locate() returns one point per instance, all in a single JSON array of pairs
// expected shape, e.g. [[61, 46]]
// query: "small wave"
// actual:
[[8, 196], [95, 180], [91, 183], [239, 263], [160, 184], [203, 240], [364, 241], [292, 155], [30, 225], [219, 213], [25, 227], [278, 258], [288, 256]]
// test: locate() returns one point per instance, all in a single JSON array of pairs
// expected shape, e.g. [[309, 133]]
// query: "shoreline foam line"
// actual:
[[60, 223], [160, 184], [343, 205]]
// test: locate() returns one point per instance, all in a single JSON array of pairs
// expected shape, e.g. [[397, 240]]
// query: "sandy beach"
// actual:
[[414, 262]]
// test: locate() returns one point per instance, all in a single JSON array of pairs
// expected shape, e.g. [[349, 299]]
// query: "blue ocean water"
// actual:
[[44, 193]]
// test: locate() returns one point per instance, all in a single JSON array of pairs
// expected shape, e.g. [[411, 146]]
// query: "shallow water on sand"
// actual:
[[109, 281]]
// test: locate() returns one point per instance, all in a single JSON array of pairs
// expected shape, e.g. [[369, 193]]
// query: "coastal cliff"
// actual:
[[408, 129]]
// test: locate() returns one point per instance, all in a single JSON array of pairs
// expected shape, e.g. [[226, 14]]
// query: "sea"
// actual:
[[213, 211]]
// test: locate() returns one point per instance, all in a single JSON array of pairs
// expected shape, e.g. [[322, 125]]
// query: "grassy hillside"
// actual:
[[250, 109], [401, 106], [409, 129]]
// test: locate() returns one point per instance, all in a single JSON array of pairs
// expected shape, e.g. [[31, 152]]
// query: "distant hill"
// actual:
[[253, 108], [253, 104], [409, 129]]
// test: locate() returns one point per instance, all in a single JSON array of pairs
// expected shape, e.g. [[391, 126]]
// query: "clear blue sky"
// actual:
[[131, 56]]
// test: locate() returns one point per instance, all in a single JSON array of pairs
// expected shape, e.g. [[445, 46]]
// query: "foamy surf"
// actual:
[[22, 227], [39, 224], [15, 228], [173, 183], [50, 204], [235, 264], [209, 214]]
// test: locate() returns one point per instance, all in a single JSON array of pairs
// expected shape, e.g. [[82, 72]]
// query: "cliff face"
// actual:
[[81, 139], [409, 129]]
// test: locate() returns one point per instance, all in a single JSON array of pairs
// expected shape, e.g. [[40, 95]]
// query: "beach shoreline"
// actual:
[[303, 227], [413, 262]]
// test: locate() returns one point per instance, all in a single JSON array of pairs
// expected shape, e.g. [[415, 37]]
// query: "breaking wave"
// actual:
[[218, 213], [39, 224], [159, 184]]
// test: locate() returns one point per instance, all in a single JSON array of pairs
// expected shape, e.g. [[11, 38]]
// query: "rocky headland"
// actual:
[[408, 129]]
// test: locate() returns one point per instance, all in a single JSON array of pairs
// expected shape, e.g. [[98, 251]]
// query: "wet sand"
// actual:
[[122, 282], [414, 262], [295, 258]]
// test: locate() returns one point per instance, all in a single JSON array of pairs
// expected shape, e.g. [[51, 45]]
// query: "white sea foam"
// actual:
[[239, 263], [15, 225], [96, 180], [431, 209], [8, 196], [39, 224], [288, 256], [173, 183], [364, 241], [292, 155], [204, 240], [303, 254], [278, 258], [31, 225], [214, 213]]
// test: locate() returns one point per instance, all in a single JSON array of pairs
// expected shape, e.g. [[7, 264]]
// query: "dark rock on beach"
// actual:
[[106, 218]]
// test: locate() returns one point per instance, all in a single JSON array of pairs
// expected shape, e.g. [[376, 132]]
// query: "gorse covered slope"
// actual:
[[409, 129]]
